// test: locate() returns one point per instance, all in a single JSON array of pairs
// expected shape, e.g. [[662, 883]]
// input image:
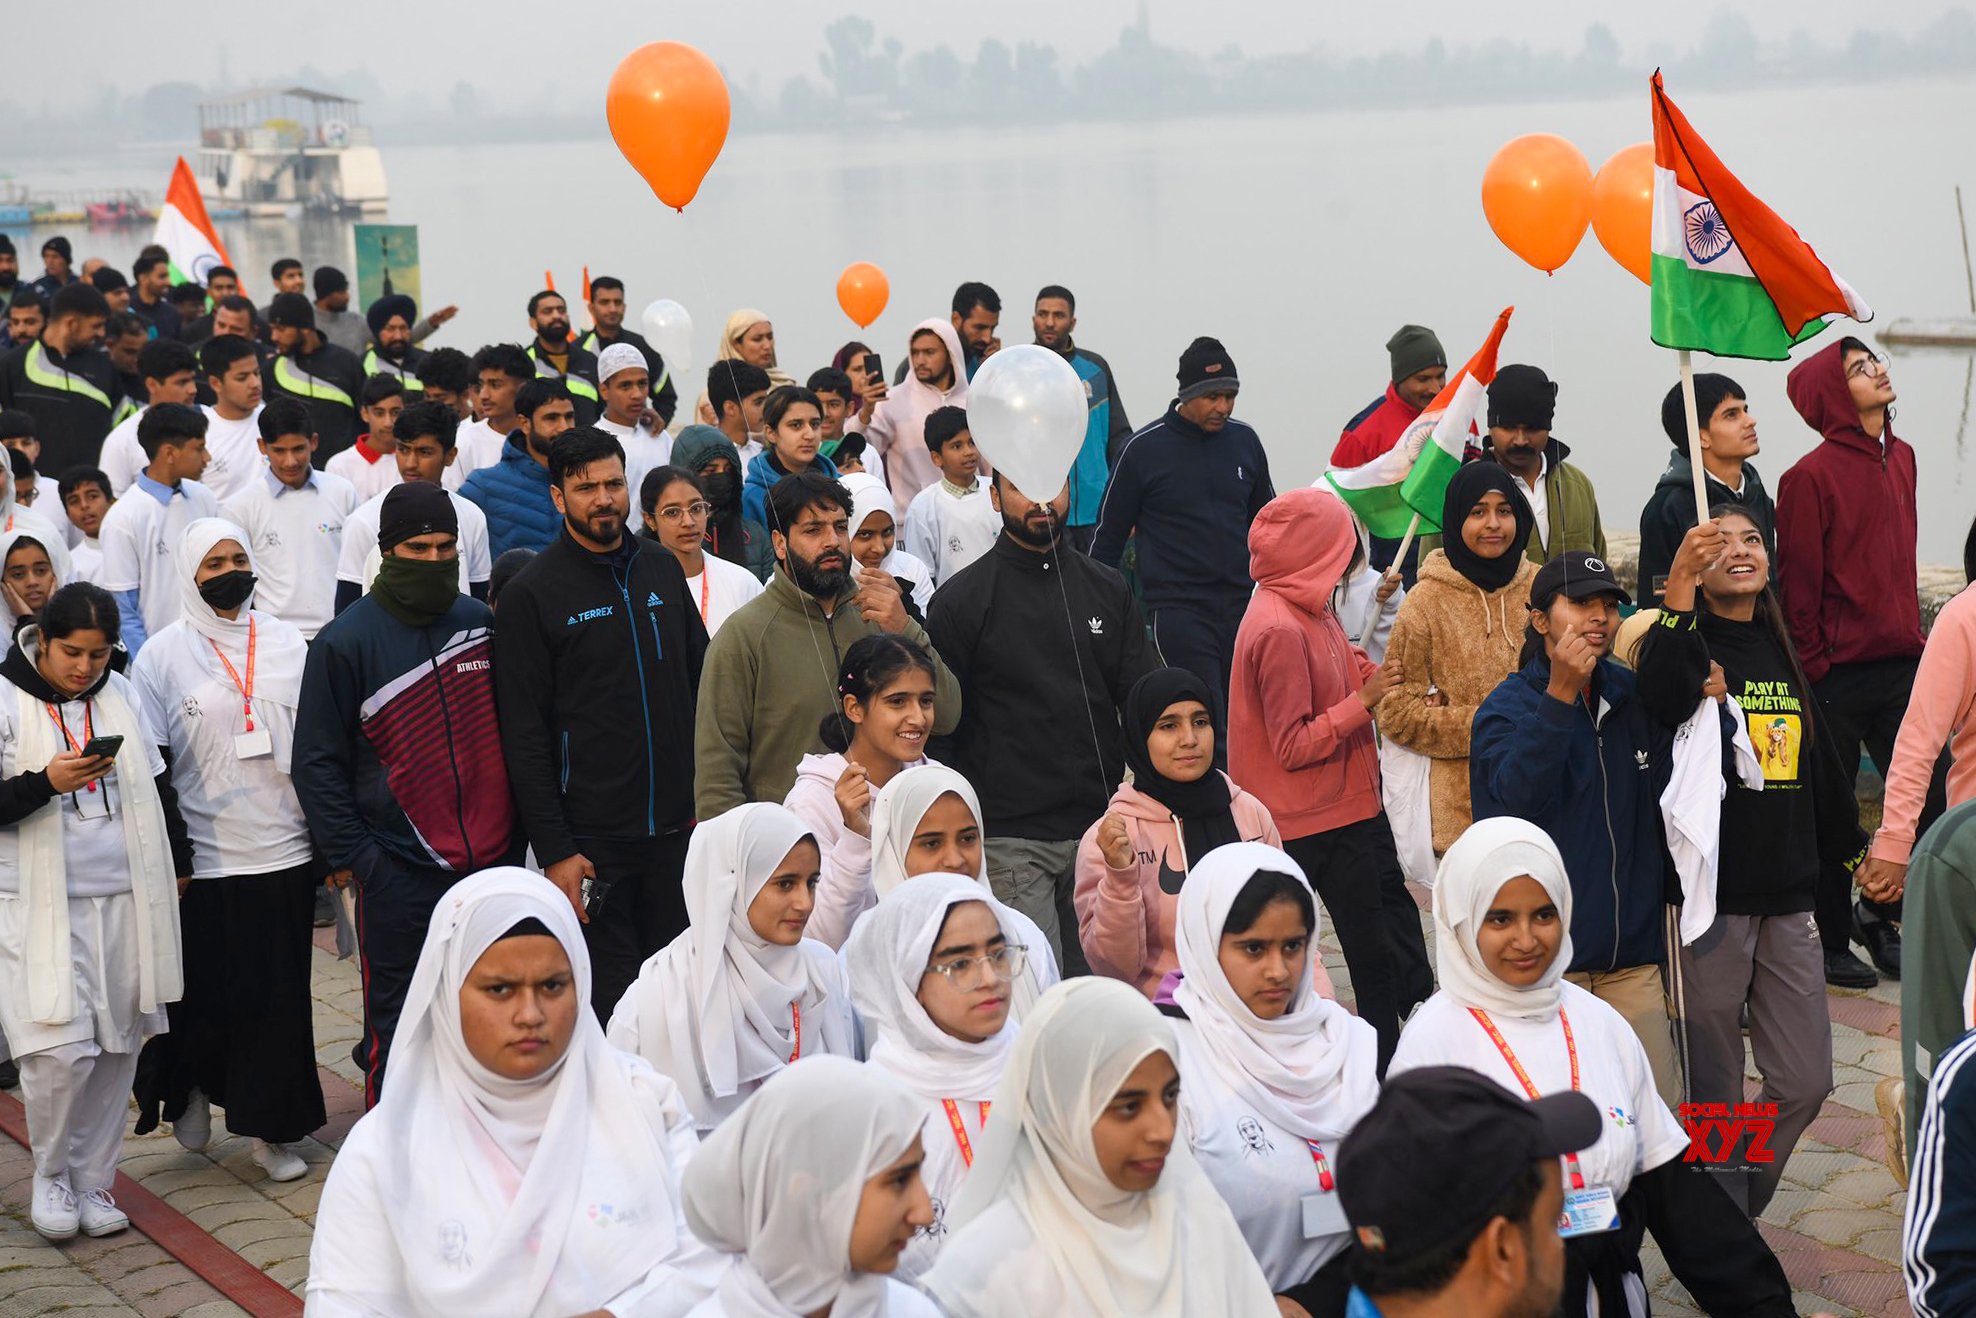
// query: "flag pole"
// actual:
[[1694, 438], [1372, 605]]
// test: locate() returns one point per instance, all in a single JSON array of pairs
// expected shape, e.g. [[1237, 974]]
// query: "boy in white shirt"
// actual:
[[425, 449], [141, 532], [171, 375], [951, 523], [624, 384], [294, 516], [500, 370], [232, 368], [86, 497], [368, 464]]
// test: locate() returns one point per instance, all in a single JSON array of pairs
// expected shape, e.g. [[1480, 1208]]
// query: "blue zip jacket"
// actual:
[[514, 493], [762, 473], [1105, 434], [1595, 787]]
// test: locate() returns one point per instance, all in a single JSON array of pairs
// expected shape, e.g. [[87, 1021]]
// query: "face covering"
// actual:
[[721, 490], [228, 590], [417, 591]]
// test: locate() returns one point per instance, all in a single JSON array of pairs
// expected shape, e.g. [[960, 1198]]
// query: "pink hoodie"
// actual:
[[1299, 737], [898, 425], [1939, 713]]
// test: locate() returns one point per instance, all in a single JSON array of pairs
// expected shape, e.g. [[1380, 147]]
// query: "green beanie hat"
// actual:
[[1413, 349]]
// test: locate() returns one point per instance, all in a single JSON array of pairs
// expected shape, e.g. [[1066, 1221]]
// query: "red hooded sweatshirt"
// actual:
[[1380, 430], [1299, 737], [1846, 530]]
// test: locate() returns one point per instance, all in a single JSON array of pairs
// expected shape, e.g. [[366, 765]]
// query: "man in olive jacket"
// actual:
[[771, 671]]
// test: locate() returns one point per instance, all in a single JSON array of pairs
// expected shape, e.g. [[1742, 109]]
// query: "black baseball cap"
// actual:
[[1440, 1147], [1576, 575]]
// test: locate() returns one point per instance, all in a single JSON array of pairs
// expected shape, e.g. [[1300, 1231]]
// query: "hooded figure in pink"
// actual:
[[938, 378]]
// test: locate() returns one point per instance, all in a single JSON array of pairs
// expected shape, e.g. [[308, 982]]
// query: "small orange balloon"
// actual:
[[1537, 193], [668, 109], [863, 290], [1623, 208]]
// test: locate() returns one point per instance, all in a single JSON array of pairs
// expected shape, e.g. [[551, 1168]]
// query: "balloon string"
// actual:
[[1077, 653]]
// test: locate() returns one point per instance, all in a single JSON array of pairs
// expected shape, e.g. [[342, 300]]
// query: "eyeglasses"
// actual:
[[693, 511], [968, 973], [1871, 364]]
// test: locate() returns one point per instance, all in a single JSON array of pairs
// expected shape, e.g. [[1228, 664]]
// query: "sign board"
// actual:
[[387, 262]]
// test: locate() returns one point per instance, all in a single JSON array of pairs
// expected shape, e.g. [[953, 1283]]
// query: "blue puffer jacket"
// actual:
[[762, 473], [514, 493], [1595, 787]]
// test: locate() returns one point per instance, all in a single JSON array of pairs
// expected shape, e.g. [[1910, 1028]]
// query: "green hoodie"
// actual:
[[769, 679], [1938, 937]]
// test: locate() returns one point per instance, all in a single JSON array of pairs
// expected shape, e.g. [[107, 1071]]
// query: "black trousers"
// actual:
[[1863, 705], [1200, 637], [244, 1032], [1356, 873], [643, 909], [395, 901]]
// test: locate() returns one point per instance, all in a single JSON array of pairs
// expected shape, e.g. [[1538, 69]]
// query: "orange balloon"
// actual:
[[863, 290], [668, 109], [1537, 193], [1623, 208]]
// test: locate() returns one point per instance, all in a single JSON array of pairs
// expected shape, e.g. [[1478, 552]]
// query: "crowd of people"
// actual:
[[793, 870]]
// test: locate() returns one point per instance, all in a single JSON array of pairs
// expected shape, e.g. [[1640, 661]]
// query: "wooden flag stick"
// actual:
[[1372, 605], [1694, 438]]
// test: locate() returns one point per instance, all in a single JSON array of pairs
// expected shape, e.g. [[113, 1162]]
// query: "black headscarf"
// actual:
[[1205, 806], [1470, 483]]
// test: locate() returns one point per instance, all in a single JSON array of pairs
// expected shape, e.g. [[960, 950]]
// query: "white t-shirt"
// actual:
[[643, 452], [946, 531], [297, 535], [1264, 1171], [479, 445], [86, 561], [360, 541], [242, 815], [368, 479], [944, 1171], [122, 457], [1640, 1133], [140, 539], [720, 589], [233, 453]]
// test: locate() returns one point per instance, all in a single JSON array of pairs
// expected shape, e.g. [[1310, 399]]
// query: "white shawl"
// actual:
[[1691, 807], [1488, 854]]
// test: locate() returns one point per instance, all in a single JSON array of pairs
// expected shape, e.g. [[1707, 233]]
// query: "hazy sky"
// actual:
[[568, 48]]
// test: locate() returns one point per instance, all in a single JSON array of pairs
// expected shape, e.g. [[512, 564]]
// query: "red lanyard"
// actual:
[[704, 583], [1529, 1086], [88, 731], [1324, 1178], [796, 1020], [960, 1128], [246, 689]]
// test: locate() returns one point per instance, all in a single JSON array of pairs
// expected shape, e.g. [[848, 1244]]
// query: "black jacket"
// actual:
[[580, 379], [597, 674], [73, 399], [1019, 630], [1670, 511], [328, 381]]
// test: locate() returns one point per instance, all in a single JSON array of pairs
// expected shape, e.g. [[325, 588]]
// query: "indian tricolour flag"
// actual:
[[185, 231], [1729, 276], [1411, 478]]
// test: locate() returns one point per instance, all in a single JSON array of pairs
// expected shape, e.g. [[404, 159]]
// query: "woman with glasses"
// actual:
[[675, 508], [932, 969], [741, 994]]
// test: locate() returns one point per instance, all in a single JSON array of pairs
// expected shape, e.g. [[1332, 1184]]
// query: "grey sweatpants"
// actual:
[[1777, 964], [1038, 878]]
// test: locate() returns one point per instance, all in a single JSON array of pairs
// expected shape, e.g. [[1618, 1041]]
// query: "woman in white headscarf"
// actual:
[[221, 686], [32, 569], [748, 337], [876, 535], [814, 1187], [742, 993], [932, 968], [1276, 1076], [927, 820], [1081, 1200], [516, 1162], [1502, 920]]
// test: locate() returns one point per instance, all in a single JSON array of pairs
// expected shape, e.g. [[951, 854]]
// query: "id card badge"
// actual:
[[253, 745], [1588, 1212], [1323, 1216]]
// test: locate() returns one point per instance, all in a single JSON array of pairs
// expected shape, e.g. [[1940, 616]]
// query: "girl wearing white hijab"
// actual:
[[221, 686], [875, 536], [927, 820], [517, 1162], [1276, 1075], [742, 993], [814, 1185], [932, 967], [1502, 916], [32, 569], [1081, 1201]]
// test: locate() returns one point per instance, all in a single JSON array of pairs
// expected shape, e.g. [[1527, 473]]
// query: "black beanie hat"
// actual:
[[59, 245], [391, 304], [1413, 349], [6, 245], [291, 309], [1522, 396], [414, 508], [330, 280], [1206, 368]]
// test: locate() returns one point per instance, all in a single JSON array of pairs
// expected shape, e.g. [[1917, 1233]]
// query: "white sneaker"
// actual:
[[54, 1211], [100, 1215], [279, 1161], [194, 1130]]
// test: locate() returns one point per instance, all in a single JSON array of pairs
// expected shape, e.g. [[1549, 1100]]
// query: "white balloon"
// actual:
[[1027, 411], [670, 332]]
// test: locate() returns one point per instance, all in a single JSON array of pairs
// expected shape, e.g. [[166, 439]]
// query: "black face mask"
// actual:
[[722, 492], [228, 590]]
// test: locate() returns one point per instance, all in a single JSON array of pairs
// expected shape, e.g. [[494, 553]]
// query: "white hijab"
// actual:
[[1313, 1070], [279, 649], [58, 562], [1487, 855], [887, 955], [779, 1183], [714, 1004], [491, 1186], [871, 495], [1172, 1250]]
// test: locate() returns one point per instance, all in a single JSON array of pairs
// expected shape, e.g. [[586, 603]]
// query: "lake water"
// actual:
[[1301, 241]]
